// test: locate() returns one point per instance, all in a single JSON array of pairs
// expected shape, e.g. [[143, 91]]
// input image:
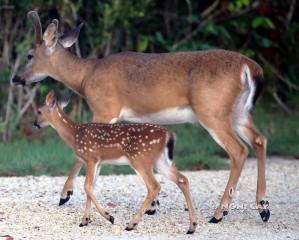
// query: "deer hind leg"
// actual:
[[153, 188], [250, 134], [165, 167], [223, 133], [88, 187], [67, 190]]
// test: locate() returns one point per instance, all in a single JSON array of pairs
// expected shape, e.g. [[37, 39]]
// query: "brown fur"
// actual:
[[143, 145], [209, 82]]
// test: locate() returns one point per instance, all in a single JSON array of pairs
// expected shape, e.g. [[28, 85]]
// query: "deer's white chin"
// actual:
[[37, 77], [43, 124]]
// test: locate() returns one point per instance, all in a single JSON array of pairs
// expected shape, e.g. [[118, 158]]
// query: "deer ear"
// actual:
[[51, 100], [65, 100], [50, 36], [69, 38]]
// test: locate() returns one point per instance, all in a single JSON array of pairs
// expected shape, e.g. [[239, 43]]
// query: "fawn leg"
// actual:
[[168, 169], [153, 188], [67, 190], [86, 216], [88, 186]]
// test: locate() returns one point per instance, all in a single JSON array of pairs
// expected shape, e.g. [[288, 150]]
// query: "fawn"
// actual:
[[144, 147]]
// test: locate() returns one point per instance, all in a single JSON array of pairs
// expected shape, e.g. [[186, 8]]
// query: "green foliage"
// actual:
[[262, 22], [238, 5], [47, 156]]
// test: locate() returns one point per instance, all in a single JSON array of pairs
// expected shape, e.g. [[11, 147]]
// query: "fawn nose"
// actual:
[[18, 81], [35, 124]]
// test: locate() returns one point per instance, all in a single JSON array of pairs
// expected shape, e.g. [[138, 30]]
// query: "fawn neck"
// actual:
[[64, 126], [70, 69]]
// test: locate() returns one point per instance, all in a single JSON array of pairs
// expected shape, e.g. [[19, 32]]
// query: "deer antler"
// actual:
[[33, 15]]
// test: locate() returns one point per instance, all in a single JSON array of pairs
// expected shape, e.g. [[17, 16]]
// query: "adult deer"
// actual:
[[215, 88], [143, 146]]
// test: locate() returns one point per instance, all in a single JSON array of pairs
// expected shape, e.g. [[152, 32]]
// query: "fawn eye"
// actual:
[[39, 112], [29, 56]]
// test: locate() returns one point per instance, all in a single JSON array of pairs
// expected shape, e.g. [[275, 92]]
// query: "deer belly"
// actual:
[[117, 161], [176, 115]]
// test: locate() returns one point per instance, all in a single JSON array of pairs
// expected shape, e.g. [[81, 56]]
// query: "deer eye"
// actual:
[[39, 112], [29, 56]]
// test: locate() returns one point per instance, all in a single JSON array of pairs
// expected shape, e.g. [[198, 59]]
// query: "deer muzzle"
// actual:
[[18, 81], [35, 124]]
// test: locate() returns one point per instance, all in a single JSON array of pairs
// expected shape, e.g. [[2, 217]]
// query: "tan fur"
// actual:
[[144, 146], [208, 82]]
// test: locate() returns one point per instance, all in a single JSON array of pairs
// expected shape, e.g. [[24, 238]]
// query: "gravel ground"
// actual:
[[29, 207]]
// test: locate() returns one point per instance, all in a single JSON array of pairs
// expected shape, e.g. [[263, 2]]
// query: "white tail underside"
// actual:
[[245, 103]]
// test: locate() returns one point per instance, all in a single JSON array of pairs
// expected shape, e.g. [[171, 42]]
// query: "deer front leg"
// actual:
[[67, 190], [88, 187], [153, 188], [86, 217]]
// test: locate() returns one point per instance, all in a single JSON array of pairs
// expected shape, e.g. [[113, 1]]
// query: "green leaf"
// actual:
[[210, 28], [143, 43], [160, 38], [262, 22]]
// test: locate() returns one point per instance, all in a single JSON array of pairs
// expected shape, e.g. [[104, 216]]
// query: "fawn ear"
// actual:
[[68, 39], [50, 36], [51, 100], [65, 100]]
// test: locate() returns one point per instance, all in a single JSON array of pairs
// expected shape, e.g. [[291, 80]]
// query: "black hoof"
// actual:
[[130, 229], [190, 231], [215, 220], [150, 212], [64, 200], [85, 224], [265, 213], [225, 213], [111, 219], [186, 209]]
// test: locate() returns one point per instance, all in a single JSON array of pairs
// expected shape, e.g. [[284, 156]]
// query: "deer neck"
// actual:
[[65, 127], [70, 69]]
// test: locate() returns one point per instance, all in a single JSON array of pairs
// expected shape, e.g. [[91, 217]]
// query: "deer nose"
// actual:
[[35, 124], [18, 81]]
